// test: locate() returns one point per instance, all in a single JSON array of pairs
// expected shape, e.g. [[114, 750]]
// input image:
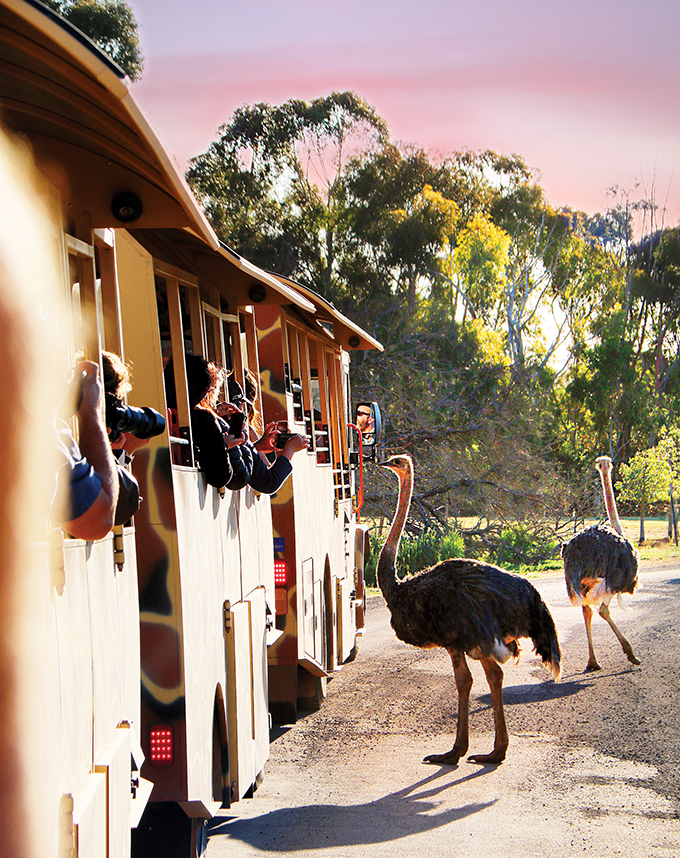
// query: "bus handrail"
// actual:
[[360, 490]]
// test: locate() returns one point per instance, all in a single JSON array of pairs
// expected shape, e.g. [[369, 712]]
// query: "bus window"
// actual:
[[177, 312], [213, 340], [319, 391], [294, 373]]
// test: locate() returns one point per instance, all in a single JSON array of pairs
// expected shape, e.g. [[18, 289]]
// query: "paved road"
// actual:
[[591, 768]]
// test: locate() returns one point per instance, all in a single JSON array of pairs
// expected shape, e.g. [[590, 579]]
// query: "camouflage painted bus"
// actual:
[[158, 649], [320, 546]]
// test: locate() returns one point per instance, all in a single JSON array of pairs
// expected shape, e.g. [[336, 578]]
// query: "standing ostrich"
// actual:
[[466, 607], [599, 562]]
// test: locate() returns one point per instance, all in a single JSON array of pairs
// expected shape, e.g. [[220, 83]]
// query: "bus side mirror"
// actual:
[[369, 420]]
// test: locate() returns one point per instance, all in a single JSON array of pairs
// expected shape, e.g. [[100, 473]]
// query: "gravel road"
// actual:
[[591, 768]]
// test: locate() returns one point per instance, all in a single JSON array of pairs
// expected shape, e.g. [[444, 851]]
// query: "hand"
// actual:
[[233, 440], [84, 392], [131, 443], [226, 409], [92, 390], [267, 443], [297, 442]]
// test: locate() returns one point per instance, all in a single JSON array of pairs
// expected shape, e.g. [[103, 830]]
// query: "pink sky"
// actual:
[[585, 90]]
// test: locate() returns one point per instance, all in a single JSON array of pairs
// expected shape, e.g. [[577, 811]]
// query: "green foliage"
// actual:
[[474, 284], [646, 479], [111, 25], [521, 544], [371, 565], [480, 261], [451, 545], [415, 552]]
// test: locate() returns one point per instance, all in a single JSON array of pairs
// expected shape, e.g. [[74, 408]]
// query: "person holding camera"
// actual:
[[266, 476], [87, 476], [128, 429], [218, 438]]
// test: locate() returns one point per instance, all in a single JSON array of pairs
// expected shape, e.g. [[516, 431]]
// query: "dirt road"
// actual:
[[591, 768]]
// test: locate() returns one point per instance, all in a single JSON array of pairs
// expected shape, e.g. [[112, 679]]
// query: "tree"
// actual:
[[480, 262], [474, 283], [111, 25], [273, 184], [646, 480]]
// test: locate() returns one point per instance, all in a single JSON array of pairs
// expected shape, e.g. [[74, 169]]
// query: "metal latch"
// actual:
[[118, 548]]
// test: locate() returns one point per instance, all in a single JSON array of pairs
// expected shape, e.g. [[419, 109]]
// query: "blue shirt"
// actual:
[[75, 475]]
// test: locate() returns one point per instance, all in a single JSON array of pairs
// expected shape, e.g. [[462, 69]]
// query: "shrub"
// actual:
[[371, 566], [522, 545], [416, 553], [452, 545]]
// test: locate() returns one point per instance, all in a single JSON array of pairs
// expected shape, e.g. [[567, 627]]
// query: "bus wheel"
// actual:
[[165, 831]]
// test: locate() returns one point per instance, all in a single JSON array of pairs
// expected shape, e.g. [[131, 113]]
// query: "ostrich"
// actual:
[[600, 562], [466, 607]]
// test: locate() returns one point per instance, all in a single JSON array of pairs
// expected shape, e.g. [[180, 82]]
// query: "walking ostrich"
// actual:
[[599, 563], [466, 607]]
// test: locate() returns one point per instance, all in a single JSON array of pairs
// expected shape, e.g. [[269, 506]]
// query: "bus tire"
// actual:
[[165, 831]]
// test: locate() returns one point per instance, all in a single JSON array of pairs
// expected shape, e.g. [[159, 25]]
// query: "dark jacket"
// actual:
[[269, 480], [214, 459]]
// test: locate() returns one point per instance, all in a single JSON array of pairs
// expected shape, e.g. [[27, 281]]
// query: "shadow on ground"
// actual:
[[315, 826]]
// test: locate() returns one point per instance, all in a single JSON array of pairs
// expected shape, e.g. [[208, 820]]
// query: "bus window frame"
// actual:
[[174, 279]]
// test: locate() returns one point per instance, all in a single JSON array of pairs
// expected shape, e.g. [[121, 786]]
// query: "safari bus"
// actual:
[[320, 545], [163, 650]]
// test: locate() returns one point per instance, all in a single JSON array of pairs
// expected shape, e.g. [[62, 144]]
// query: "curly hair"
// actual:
[[116, 374]]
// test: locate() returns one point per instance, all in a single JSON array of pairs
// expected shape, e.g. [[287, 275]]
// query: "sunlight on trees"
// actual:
[[521, 341]]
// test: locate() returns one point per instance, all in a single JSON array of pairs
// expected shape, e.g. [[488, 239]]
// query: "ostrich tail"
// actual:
[[544, 636]]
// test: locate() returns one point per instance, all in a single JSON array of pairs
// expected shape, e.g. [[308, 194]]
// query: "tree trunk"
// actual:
[[642, 517], [673, 529]]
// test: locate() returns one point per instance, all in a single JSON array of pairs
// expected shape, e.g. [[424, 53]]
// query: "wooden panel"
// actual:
[[89, 818], [205, 668], [256, 539], [114, 764], [106, 640], [75, 667], [308, 595], [259, 680], [239, 699], [129, 645]]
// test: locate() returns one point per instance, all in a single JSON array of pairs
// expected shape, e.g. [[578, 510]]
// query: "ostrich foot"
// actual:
[[450, 758], [495, 758]]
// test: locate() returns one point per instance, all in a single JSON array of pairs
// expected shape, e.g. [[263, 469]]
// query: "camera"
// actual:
[[143, 423], [235, 422], [282, 439]]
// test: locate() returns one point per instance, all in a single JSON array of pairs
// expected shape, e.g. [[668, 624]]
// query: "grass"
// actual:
[[657, 548]]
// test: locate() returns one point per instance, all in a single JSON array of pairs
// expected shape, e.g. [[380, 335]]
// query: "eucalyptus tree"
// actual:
[[273, 183], [111, 25]]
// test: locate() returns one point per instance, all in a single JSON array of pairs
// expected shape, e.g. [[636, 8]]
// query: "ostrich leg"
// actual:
[[588, 619], [494, 676], [463, 684], [627, 648]]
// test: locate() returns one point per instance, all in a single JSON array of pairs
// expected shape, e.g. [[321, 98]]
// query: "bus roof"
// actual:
[[336, 325], [75, 107], [231, 274]]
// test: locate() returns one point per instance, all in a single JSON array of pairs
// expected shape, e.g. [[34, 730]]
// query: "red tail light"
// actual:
[[161, 745], [280, 573]]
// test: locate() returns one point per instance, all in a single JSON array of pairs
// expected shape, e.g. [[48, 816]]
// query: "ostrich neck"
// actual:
[[609, 501], [387, 563]]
